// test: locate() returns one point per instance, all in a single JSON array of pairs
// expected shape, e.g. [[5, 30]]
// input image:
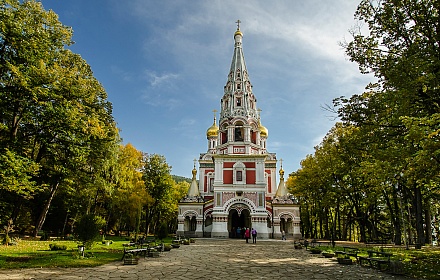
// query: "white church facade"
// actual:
[[237, 184]]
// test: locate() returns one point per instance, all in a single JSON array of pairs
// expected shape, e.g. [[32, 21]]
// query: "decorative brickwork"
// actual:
[[252, 196]]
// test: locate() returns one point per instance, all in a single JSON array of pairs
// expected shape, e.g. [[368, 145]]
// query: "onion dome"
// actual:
[[213, 130], [238, 32], [263, 130]]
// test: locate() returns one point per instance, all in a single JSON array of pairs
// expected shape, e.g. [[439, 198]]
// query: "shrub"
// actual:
[[163, 231], [6, 240], [88, 228], [44, 236], [315, 250], [57, 247]]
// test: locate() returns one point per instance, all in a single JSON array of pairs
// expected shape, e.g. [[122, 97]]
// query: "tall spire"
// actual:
[[238, 99], [282, 189]]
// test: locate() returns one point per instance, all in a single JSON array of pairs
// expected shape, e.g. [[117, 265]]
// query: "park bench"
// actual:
[[135, 252], [376, 259], [348, 251], [376, 242], [318, 243], [148, 241], [131, 244]]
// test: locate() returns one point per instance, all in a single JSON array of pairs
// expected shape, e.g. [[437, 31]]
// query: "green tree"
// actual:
[[54, 113], [88, 228], [130, 194], [158, 183], [401, 49]]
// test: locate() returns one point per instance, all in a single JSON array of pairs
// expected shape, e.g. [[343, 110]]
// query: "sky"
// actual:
[[164, 64]]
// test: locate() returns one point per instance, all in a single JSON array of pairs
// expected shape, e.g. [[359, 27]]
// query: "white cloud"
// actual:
[[157, 80]]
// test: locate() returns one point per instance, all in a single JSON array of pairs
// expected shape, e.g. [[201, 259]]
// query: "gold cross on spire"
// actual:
[[238, 24], [195, 160], [215, 111], [281, 162]]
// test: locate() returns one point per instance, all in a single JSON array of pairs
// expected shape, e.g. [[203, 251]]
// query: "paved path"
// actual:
[[216, 259]]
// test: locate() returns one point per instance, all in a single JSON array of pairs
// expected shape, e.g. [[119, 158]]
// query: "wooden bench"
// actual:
[[141, 242], [315, 243], [376, 259], [135, 252], [349, 251], [131, 244]]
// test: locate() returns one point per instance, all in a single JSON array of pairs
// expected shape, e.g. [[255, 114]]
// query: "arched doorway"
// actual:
[[238, 218], [286, 224], [190, 224]]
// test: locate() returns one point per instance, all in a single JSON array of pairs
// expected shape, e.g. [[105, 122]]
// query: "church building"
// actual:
[[237, 185]]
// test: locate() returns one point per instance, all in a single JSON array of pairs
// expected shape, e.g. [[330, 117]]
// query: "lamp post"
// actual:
[[203, 217], [81, 249], [271, 206]]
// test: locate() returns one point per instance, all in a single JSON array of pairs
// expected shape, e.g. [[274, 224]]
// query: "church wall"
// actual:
[[227, 177], [228, 164], [269, 181], [250, 177], [204, 183]]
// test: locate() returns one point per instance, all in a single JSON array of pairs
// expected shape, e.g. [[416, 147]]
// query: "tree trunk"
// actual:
[[419, 216], [46, 207], [338, 218], [428, 219], [397, 221], [63, 233]]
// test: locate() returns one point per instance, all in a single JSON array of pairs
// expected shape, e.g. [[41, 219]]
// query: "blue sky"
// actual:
[[164, 65]]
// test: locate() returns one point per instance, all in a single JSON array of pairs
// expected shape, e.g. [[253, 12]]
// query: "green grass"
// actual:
[[31, 253], [420, 264], [28, 254]]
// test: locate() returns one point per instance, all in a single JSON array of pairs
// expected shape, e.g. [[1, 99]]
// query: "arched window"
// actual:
[[239, 173], [239, 134]]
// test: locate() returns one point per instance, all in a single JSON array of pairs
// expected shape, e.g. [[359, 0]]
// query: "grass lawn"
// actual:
[[421, 264], [31, 253]]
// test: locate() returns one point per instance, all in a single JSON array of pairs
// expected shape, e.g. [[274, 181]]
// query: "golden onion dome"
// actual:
[[263, 130], [238, 32], [212, 131]]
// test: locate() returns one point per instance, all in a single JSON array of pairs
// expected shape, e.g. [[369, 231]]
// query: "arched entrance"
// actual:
[[286, 224], [238, 218], [190, 223]]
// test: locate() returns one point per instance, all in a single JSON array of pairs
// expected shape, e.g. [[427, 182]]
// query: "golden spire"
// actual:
[[193, 190], [282, 189], [281, 169]]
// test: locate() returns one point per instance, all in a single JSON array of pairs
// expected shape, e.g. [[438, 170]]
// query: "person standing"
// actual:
[[283, 235], [254, 235], [247, 234]]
